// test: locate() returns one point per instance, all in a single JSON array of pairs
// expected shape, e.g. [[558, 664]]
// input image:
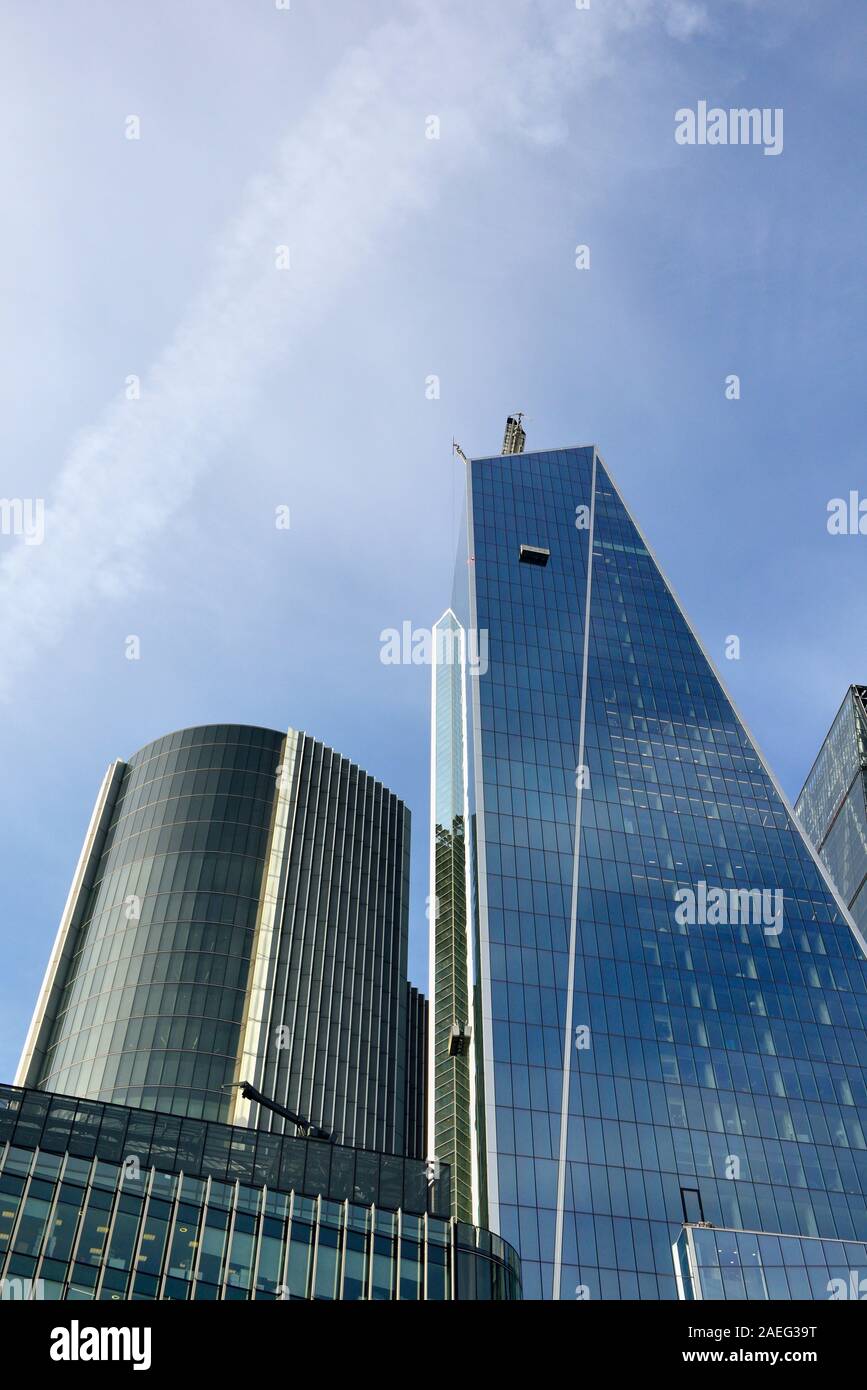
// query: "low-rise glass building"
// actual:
[[718, 1263], [101, 1201]]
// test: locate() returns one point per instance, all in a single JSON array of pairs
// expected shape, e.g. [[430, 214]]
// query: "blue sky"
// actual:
[[306, 387]]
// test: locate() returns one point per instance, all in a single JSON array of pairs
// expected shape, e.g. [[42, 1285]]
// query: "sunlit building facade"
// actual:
[[452, 1061]]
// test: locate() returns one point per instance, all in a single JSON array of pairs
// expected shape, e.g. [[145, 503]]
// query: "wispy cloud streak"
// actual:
[[341, 183]]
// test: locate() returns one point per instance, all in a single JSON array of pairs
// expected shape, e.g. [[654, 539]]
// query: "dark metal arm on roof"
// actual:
[[306, 1128]]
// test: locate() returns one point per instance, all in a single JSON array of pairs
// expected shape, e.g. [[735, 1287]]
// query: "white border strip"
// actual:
[[42, 1022], [251, 1053], [432, 913], [573, 924], [483, 976], [469, 928]]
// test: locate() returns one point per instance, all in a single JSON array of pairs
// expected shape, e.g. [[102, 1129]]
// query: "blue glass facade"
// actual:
[[647, 1058], [719, 1264], [832, 806]]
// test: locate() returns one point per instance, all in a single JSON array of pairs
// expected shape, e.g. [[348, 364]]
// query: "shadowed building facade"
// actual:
[[105, 1202]]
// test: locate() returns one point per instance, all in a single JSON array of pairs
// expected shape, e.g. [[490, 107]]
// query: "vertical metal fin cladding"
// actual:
[[452, 1070], [339, 978]]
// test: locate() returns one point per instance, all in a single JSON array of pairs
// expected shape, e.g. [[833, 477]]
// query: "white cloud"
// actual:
[[340, 184], [685, 18]]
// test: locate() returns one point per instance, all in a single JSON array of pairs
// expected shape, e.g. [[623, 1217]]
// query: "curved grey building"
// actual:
[[239, 912]]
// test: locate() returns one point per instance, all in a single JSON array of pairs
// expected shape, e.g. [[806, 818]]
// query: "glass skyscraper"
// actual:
[[239, 913], [832, 806], [667, 999]]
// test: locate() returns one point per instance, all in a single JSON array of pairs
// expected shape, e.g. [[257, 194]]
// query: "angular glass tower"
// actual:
[[832, 806], [670, 1000], [239, 913]]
